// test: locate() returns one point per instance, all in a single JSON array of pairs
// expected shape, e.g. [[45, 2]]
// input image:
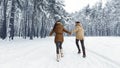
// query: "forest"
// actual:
[[36, 18]]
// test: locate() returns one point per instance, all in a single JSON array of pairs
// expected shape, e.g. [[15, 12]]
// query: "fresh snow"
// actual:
[[102, 52]]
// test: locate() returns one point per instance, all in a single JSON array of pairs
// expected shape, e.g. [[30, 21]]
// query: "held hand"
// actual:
[[70, 33], [50, 35]]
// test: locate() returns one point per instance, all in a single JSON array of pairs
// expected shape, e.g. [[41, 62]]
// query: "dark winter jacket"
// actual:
[[59, 30]]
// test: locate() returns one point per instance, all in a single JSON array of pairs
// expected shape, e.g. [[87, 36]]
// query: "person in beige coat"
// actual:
[[79, 37]]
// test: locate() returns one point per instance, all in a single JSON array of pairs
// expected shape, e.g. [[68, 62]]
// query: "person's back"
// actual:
[[58, 29], [79, 32]]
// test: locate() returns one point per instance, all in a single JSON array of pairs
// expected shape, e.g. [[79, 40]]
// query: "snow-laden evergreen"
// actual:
[[98, 20], [35, 18], [29, 18]]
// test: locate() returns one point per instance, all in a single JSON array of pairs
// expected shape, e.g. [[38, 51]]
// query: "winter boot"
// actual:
[[79, 51], [58, 58], [61, 52], [84, 56]]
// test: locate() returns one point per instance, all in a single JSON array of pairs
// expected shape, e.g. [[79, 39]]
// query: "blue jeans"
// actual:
[[58, 46]]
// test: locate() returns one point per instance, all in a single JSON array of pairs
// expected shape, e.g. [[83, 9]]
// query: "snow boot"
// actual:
[[61, 52], [84, 56], [58, 58], [84, 53], [79, 52]]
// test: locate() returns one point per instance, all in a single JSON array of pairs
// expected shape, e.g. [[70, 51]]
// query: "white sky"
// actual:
[[76, 5]]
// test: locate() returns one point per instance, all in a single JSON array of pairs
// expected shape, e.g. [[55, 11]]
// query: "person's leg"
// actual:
[[83, 48], [61, 50], [57, 47], [57, 51], [60, 45], [77, 44]]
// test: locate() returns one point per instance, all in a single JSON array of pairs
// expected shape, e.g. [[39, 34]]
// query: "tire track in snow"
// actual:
[[103, 57], [19, 57]]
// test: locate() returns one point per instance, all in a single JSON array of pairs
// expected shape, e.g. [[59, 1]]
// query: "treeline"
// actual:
[[35, 18], [29, 18], [99, 20]]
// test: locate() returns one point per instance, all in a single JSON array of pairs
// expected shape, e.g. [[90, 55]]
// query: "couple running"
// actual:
[[58, 29]]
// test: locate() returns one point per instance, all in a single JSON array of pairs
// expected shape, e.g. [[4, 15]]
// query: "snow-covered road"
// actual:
[[102, 52]]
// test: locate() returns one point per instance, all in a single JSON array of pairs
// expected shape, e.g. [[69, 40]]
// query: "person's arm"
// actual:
[[66, 31], [51, 33], [75, 30]]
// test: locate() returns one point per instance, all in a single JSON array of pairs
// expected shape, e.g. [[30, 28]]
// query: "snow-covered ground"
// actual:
[[102, 52]]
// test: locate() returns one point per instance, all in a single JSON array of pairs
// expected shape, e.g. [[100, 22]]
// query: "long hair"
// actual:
[[55, 24]]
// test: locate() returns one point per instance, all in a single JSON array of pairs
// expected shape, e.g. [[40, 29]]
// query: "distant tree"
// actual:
[[4, 27]]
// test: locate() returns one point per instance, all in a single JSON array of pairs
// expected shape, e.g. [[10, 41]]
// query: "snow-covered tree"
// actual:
[[29, 18], [99, 20]]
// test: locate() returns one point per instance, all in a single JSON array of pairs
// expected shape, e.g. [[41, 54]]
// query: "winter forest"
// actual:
[[35, 18]]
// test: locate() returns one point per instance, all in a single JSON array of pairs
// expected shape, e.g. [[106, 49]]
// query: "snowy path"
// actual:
[[102, 52]]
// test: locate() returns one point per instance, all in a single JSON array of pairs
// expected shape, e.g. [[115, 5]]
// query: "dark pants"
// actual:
[[58, 47], [82, 45]]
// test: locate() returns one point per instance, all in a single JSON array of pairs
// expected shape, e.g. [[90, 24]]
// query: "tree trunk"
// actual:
[[11, 25], [4, 27]]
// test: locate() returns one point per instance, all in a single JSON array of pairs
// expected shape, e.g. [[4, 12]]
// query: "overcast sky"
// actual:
[[76, 5]]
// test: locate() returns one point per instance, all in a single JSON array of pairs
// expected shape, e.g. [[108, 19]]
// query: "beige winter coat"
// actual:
[[79, 31]]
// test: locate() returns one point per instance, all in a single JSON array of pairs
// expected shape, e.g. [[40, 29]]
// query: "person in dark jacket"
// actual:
[[58, 29], [79, 37]]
